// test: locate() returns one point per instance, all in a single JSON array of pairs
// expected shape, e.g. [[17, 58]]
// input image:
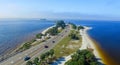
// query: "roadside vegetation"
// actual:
[[80, 27], [65, 47], [26, 45], [68, 45], [39, 35], [53, 31], [73, 26], [75, 35], [60, 25], [82, 57], [44, 59]]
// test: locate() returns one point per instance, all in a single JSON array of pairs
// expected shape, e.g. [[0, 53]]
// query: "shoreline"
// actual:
[[88, 42], [45, 30], [100, 54], [105, 56]]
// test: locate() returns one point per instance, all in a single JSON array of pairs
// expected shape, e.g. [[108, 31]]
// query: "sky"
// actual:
[[84, 9]]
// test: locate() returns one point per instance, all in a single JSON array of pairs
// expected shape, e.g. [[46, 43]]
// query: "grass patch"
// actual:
[[67, 46]]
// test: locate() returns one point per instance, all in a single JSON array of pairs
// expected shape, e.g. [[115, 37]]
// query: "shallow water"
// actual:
[[15, 32], [106, 33]]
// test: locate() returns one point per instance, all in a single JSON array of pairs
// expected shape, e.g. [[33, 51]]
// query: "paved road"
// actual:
[[36, 50]]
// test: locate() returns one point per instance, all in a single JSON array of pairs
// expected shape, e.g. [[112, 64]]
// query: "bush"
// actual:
[[82, 57], [80, 27], [73, 26], [53, 31], [36, 60], [74, 35], [29, 63], [39, 35], [61, 24], [26, 46]]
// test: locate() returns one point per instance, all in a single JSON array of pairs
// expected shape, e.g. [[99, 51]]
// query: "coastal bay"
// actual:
[[14, 33], [101, 42]]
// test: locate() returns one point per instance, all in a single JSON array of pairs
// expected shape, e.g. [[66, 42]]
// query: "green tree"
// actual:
[[74, 36], [81, 62], [60, 23], [26, 46], [29, 63], [53, 31], [36, 60], [73, 26], [42, 57], [75, 57], [90, 56], [80, 27], [78, 51], [39, 35], [51, 52], [82, 57], [47, 54]]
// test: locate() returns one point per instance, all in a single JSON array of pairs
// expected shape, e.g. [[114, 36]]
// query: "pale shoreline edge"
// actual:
[[91, 44], [86, 42], [45, 30]]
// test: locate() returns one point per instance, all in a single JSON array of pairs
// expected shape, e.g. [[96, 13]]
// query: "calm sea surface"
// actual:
[[106, 33], [15, 32]]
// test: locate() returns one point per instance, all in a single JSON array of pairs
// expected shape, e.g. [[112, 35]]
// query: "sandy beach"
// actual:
[[44, 31], [86, 43]]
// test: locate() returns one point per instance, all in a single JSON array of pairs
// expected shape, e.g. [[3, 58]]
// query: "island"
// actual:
[[63, 41]]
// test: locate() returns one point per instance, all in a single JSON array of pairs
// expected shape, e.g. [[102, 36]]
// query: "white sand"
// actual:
[[44, 31], [86, 43], [85, 40]]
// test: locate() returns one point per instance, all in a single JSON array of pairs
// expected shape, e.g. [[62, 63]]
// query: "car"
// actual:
[[53, 41], [46, 46], [26, 58]]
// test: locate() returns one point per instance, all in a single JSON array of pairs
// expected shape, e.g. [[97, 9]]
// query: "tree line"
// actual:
[[44, 59], [82, 57], [54, 31]]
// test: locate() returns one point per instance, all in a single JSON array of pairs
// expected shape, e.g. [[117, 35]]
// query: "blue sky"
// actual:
[[59, 9]]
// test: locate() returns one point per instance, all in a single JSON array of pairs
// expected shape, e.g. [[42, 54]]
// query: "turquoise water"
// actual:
[[106, 33], [15, 32]]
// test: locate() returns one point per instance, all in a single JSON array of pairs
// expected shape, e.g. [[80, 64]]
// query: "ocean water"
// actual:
[[107, 34], [15, 32]]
